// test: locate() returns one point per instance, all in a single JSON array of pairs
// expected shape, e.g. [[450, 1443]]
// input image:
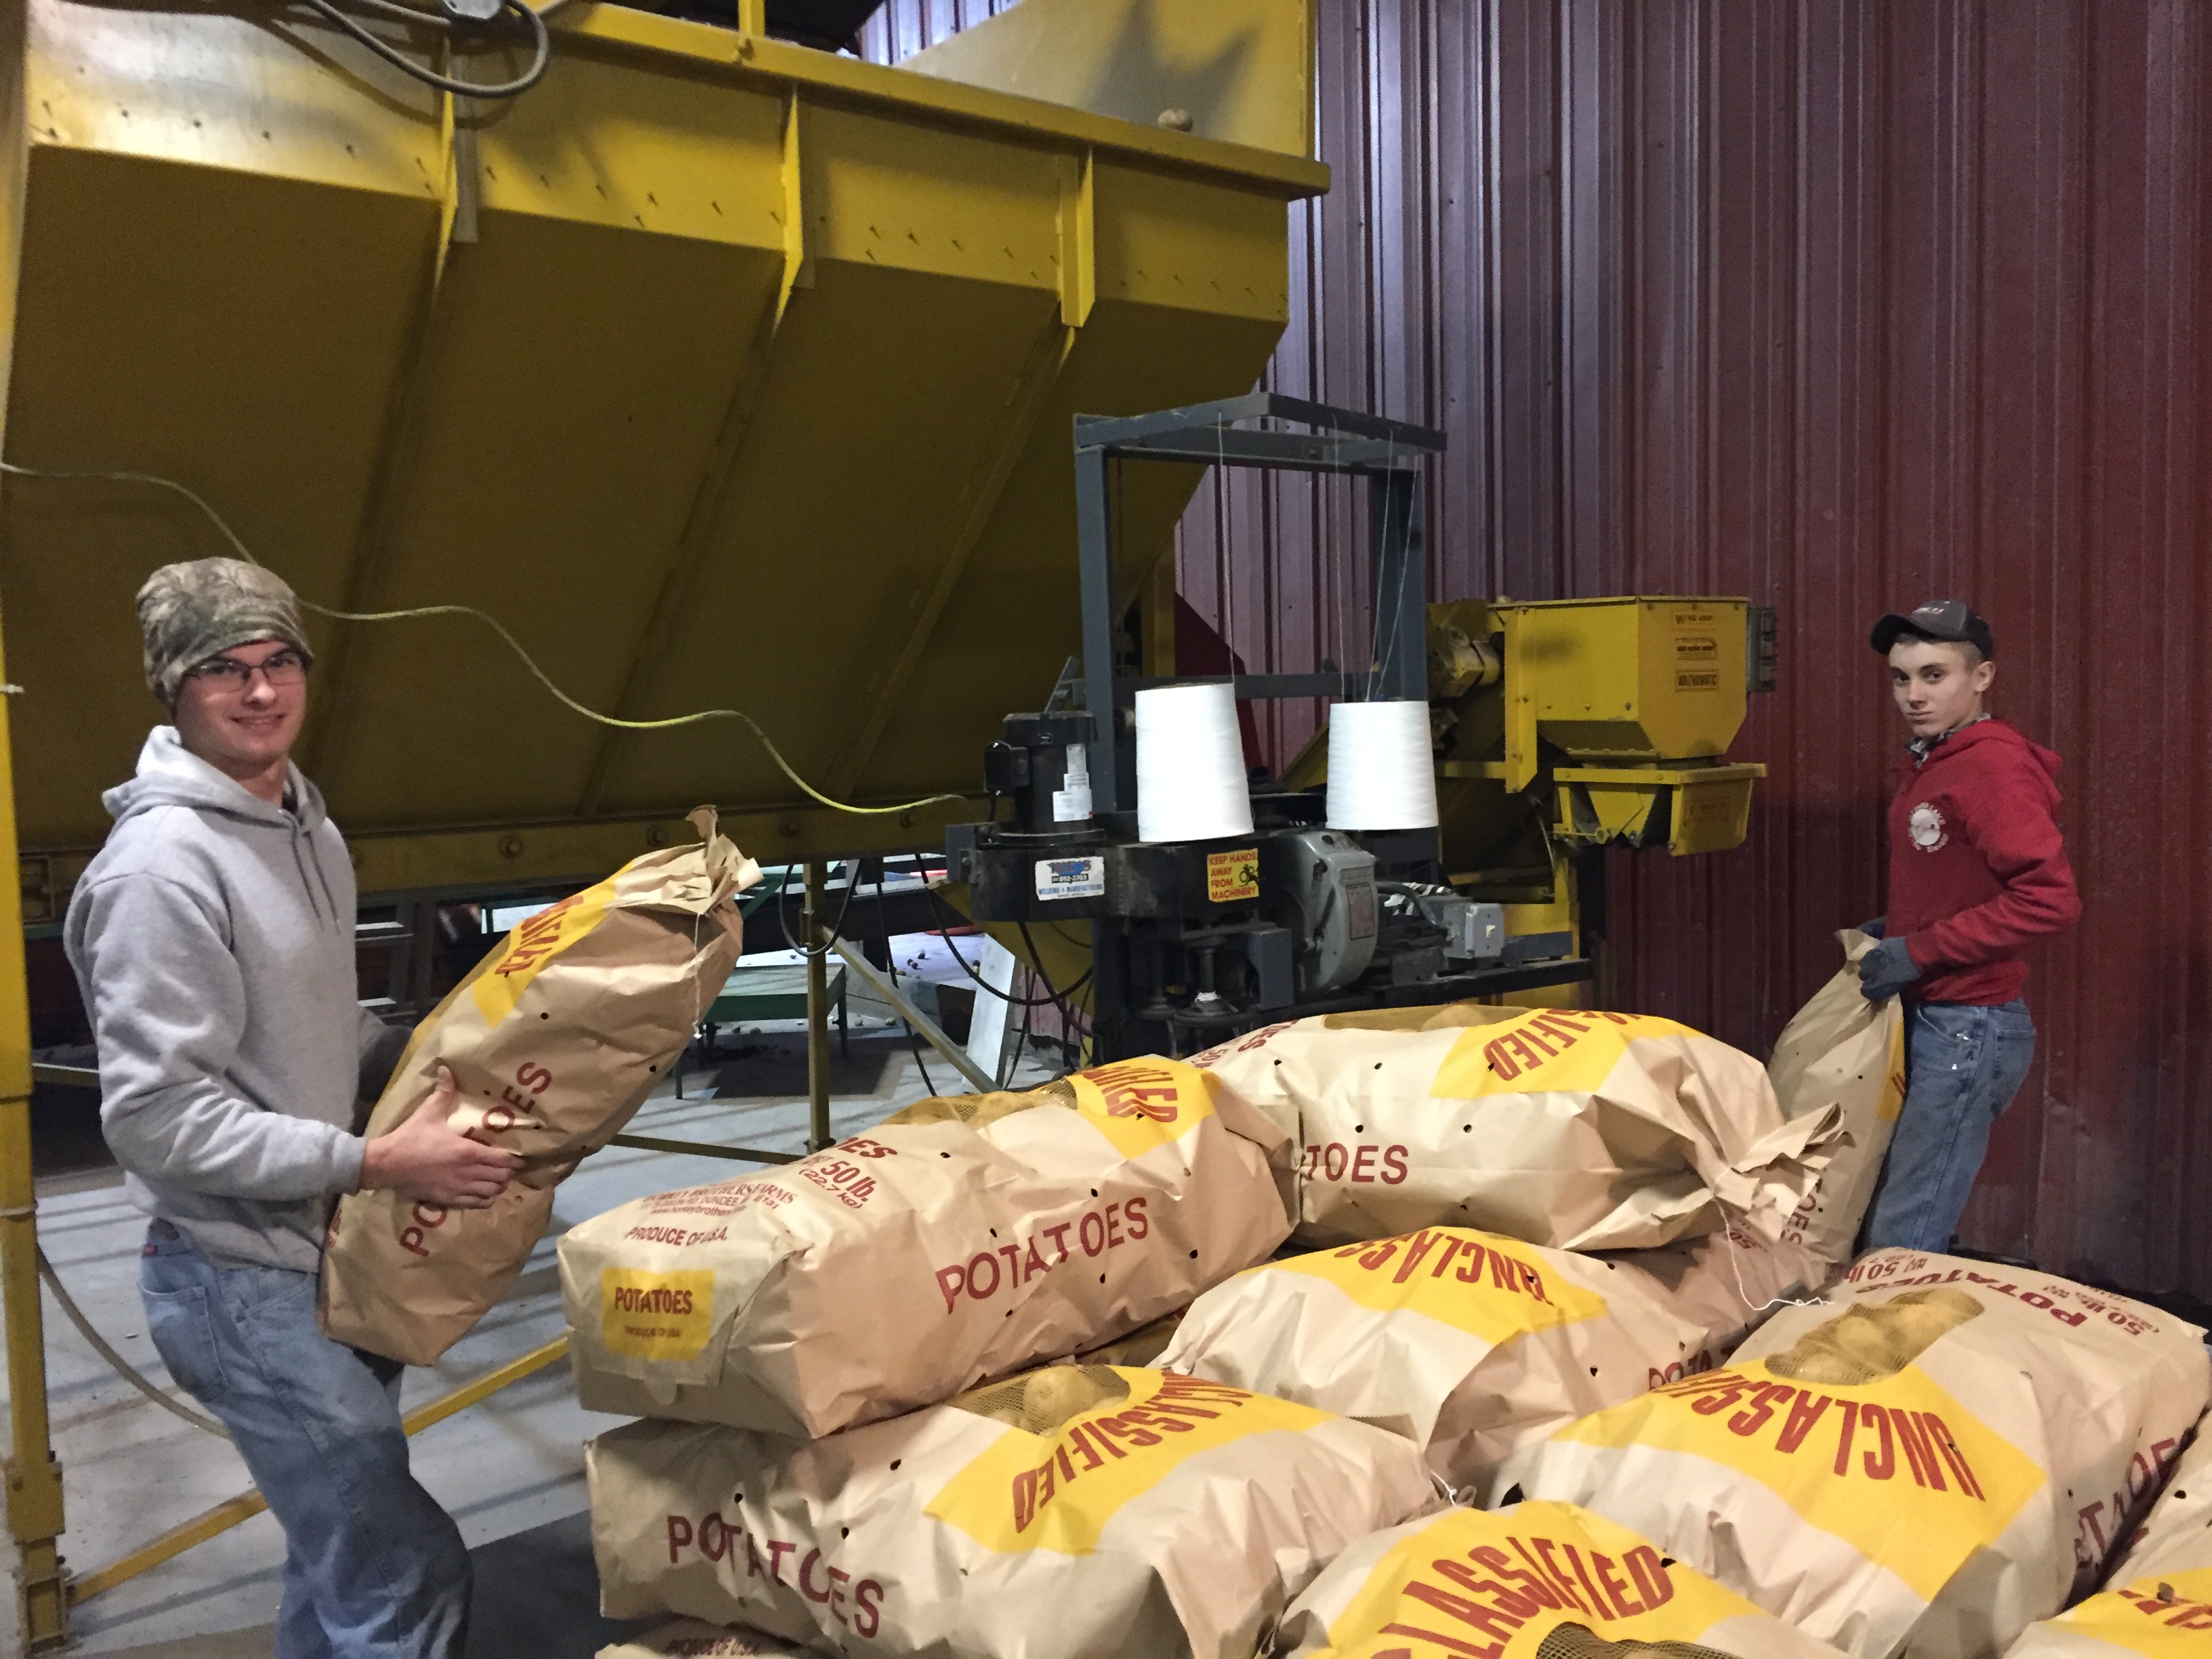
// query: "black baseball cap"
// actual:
[[1938, 619]]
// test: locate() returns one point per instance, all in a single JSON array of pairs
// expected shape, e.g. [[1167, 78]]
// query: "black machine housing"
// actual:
[[1196, 942]]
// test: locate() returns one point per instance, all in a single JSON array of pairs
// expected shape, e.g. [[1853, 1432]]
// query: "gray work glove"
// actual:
[[1876, 929], [1886, 971]]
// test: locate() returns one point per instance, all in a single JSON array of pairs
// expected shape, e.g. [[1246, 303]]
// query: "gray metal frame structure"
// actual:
[[1388, 453]]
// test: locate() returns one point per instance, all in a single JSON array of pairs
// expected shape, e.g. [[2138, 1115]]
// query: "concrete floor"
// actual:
[[509, 1470]]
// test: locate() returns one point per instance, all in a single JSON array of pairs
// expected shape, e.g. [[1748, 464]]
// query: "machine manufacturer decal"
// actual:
[[1071, 879]]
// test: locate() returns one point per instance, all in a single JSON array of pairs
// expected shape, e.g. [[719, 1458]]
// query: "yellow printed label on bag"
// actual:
[[1502, 1584], [535, 942], [1057, 1490], [1846, 1430], [1489, 1286], [1139, 1104], [648, 1315], [2163, 1616], [1545, 1049]]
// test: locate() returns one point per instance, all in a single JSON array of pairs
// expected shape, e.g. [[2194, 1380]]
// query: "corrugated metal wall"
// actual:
[[1839, 305]]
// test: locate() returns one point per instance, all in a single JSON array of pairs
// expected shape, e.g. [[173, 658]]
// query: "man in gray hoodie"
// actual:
[[213, 938]]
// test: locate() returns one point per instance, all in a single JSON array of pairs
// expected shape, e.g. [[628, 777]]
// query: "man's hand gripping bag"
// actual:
[[1076, 1512], [1842, 1050], [1537, 1581], [1560, 1126], [1938, 1454], [2157, 1600], [963, 1239], [1472, 1344], [556, 1039]]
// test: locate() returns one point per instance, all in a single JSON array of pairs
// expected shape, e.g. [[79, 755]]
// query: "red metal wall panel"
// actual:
[[1838, 304]]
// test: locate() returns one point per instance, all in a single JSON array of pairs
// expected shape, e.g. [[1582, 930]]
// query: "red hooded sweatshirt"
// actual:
[[1976, 866]]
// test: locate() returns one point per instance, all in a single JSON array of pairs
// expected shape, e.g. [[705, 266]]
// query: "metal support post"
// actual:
[[35, 1478], [1094, 551], [818, 1008]]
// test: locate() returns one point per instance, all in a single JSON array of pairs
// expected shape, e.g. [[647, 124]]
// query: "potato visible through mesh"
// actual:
[[1867, 1342], [1038, 1402], [1578, 1642], [976, 1110]]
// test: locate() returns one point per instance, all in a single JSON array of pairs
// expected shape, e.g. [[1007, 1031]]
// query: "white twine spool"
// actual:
[[1380, 773], [1190, 765]]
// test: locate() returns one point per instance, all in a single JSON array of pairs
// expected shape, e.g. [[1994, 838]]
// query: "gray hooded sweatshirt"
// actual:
[[213, 938]]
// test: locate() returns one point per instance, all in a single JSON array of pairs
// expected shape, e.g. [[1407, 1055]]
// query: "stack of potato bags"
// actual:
[[1937, 1453], [837, 1479], [1525, 1217], [1475, 1339]]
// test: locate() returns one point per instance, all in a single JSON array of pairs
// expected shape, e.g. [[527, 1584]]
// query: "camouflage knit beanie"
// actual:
[[190, 612]]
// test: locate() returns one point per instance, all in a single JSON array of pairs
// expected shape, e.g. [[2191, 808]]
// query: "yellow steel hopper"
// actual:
[[726, 373]]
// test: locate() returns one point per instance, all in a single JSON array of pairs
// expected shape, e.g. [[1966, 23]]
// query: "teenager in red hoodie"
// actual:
[[1976, 870]]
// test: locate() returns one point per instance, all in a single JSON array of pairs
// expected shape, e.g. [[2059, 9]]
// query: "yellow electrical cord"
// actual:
[[497, 626]]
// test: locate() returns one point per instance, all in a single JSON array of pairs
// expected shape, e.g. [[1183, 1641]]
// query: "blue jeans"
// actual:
[[373, 1569], [1963, 1065]]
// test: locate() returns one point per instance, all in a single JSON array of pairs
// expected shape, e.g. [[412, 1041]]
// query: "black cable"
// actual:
[[1003, 996], [1059, 999], [541, 45]]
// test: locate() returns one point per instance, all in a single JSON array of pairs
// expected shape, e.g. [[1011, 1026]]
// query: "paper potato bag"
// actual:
[[1537, 1581], [1842, 1050], [555, 1039], [1934, 1457], [2157, 1600], [1577, 1129], [963, 1239], [1069, 1513], [1469, 1344]]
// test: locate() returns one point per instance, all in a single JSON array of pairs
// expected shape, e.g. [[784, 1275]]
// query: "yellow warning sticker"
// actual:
[[1544, 1050], [648, 1315], [1489, 1286], [1139, 1104], [1056, 1491], [1231, 876]]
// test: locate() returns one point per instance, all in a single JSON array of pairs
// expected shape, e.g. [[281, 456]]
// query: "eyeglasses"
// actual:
[[286, 668]]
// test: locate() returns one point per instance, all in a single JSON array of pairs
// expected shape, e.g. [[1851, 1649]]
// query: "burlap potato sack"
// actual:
[[1926, 1462], [1537, 1581], [963, 1239], [1842, 1050], [692, 1639], [2157, 1600], [1577, 1129], [1075, 1512], [1469, 1344], [555, 1039]]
